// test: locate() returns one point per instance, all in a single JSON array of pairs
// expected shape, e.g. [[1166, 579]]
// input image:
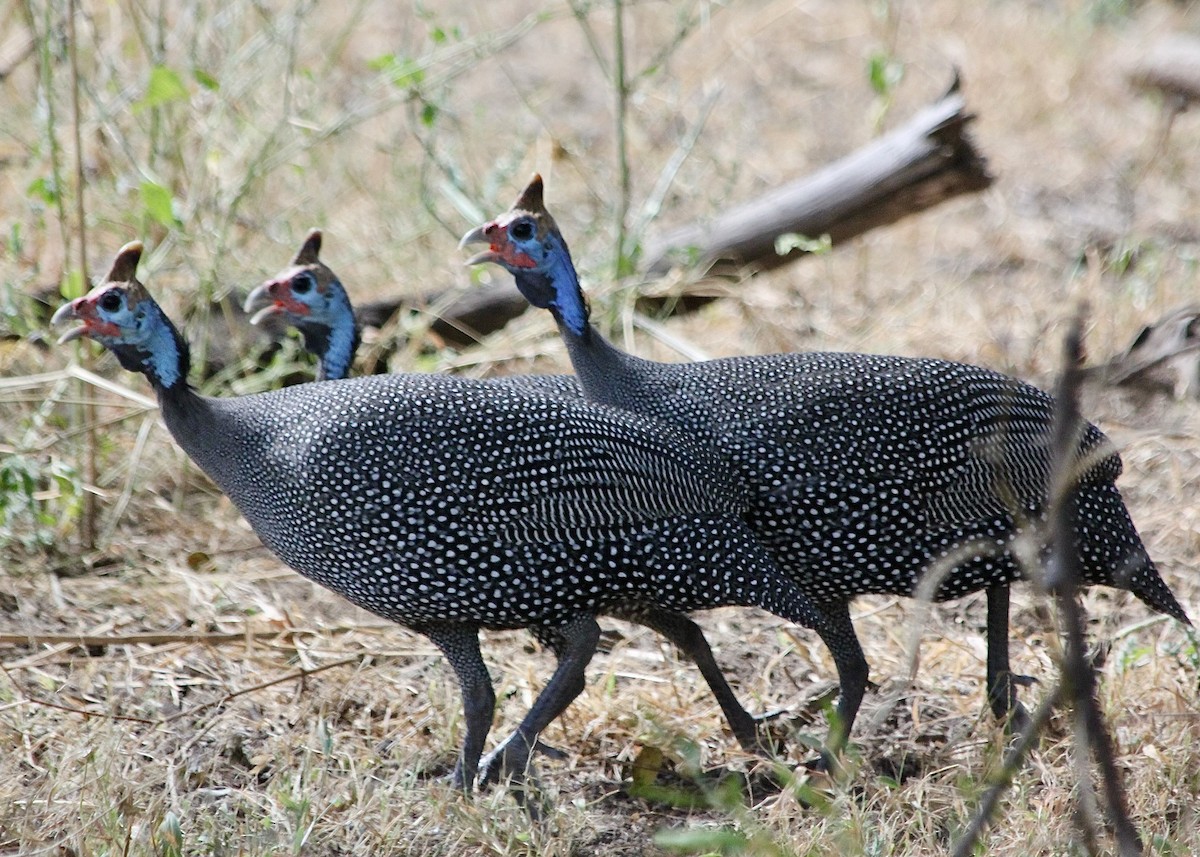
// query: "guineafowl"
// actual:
[[309, 296], [448, 505], [864, 471]]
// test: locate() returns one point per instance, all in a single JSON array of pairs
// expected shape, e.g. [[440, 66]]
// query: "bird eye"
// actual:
[[110, 302], [303, 283], [522, 230]]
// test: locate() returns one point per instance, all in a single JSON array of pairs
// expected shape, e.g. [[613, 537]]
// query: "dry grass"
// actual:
[[249, 746]]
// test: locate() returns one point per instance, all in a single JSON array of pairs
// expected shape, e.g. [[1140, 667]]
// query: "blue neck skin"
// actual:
[[165, 355], [334, 339], [554, 285], [158, 352], [343, 342]]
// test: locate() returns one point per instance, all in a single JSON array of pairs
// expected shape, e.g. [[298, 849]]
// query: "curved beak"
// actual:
[[478, 235], [78, 309], [261, 303]]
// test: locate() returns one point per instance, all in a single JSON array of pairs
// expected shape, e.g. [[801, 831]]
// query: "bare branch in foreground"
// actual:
[[1077, 682]]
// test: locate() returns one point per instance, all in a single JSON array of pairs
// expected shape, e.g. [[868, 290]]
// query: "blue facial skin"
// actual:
[[545, 273], [328, 329], [146, 340]]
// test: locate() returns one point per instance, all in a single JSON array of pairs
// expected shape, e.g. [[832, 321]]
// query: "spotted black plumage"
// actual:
[[448, 505], [864, 471], [308, 295]]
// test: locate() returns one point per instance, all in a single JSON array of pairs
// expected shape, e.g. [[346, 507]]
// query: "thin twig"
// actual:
[[90, 510], [137, 639], [165, 637], [1063, 578], [292, 676], [623, 263], [666, 177], [1015, 758], [1078, 674]]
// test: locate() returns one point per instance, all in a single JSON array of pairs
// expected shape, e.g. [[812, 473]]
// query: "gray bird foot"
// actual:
[[513, 761], [458, 779], [1013, 714], [1018, 720]]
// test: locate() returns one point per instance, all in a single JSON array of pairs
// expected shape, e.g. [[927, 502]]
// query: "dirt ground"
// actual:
[[177, 691]]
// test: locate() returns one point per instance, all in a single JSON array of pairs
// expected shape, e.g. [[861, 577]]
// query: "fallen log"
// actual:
[[1163, 358], [922, 163], [1170, 67]]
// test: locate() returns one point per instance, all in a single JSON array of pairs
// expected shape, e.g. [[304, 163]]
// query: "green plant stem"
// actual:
[[88, 524], [621, 85], [45, 64]]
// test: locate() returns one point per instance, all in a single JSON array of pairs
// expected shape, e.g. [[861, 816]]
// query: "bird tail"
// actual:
[[1113, 553]]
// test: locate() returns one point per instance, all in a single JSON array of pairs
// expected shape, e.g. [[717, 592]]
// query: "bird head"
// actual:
[[113, 312], [309, 296], [305, 294], [526, 242], [120, 315]]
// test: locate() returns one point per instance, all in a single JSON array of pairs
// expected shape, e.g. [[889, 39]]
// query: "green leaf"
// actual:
[[158, 204], [44, 189], [164, 87], [429, 114], [696, 840], [206, 80], [404, 73], [884, 72]]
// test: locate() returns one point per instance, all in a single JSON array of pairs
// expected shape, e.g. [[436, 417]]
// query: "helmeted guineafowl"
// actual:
[[448, 505], [309, 296], [864, 471]]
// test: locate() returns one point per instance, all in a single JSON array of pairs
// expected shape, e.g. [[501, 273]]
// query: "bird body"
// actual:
[[448, 505], [479, 510], [864, 471], [308, 295]]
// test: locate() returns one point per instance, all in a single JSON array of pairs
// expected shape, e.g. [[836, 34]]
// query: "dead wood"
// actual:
[[1164, 357], [1171, 67], [923, 163]]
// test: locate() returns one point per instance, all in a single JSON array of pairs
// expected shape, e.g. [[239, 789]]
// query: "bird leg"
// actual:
[[460, 645], [574, 644], [852, 669], [1001, 683], [689, 639]]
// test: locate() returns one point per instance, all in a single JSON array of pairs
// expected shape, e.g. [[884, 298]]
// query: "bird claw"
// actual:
[[457, 779], [549, 752], [513, 761], [764, 741], [768, 716]]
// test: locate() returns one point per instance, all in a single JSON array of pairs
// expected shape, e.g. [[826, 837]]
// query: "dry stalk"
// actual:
[[1077, 681], [89, 410]]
